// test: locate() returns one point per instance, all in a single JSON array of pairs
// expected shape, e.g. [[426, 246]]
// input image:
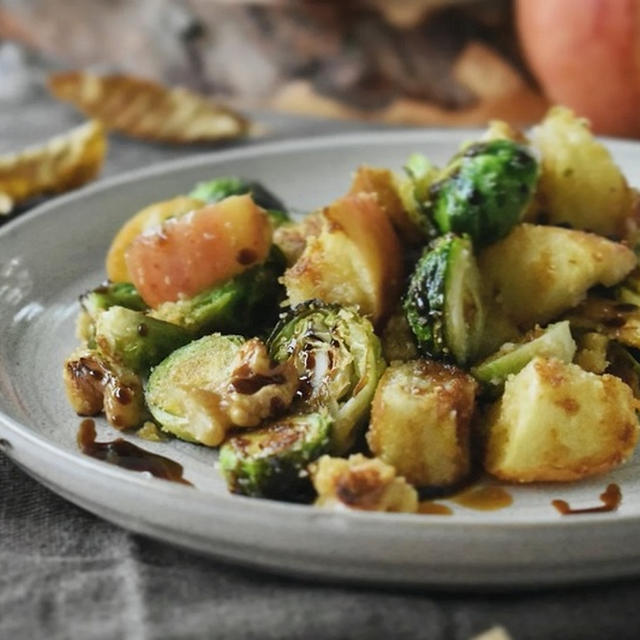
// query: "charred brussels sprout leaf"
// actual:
[[271, 462], [339, 361], [136, 340], [110, 294], [245, 304], [443, 303], [98, 300], [414, 192], [221, 188], [553, 342], [484, 191]]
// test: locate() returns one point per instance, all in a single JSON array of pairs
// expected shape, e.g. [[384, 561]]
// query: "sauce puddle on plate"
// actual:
[[127, 455], [611, 499], [477, 498]]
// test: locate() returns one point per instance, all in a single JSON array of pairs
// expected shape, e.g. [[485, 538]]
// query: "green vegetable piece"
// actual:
[[271, 462], [176, 392], [136, 340], [110, 294], [554, 342], [244, 304], [339, 361], [413, 191], [443, 303], [221, 188], [485, 190]]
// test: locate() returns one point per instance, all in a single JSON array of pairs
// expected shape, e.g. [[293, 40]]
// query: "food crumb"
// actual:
[[149, 431]]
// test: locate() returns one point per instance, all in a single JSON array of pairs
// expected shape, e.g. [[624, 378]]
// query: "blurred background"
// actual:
[[416, 62]]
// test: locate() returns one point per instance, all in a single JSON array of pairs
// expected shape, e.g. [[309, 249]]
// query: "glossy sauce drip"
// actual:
[[434, 508], [611, 499], [483, 498], [253, 384], [127, 455]]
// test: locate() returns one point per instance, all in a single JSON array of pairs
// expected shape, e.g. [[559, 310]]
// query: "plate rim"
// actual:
[[231, 504]]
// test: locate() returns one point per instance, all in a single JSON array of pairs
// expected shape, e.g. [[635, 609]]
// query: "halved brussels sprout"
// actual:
[[216, 383], [339, 362], [443, 303], [221, 188], [177, 394], [553, 342], [136, 340], [485, 190], [245, 304], [271, 462]]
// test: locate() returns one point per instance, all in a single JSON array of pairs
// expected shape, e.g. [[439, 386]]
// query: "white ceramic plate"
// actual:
[[52, 254]]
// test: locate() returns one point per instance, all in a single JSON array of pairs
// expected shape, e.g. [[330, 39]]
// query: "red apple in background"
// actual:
[[586, 55]]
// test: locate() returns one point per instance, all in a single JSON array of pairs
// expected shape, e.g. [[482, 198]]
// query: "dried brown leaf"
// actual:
[[62, 163], [143, 109]]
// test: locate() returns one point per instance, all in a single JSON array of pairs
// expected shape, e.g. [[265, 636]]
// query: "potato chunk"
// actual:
[[384, 185], [557, 422], [420, 421], [579, 182], [355, 259], [361, 483], [537, 272]]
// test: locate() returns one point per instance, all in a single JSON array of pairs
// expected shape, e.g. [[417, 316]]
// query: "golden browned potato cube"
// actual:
[[537, 272], [420, 421], [557, 422], [355, 259], [383, 184], [579, 182], [361, 483]]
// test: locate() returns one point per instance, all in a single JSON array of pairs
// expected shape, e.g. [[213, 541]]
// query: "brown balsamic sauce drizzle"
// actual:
[[253, 384], [434, 508], [479, 498], [484, 498], [611, 499], [127, 455]]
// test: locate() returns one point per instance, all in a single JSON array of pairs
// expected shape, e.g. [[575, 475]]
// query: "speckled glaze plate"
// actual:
[[55, 252]]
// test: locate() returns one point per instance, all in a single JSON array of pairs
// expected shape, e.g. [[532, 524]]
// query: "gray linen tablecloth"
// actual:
[[67, 574]]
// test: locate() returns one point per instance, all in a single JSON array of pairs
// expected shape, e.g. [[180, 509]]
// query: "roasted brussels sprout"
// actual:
[[136, 340], [413, 190], [246, 304], [110, 294], [218, 382], [271, 462], [443, 303], [95, 383], [221, 188], [339, 362], [484, 191], [95, 301], [553, 342]]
